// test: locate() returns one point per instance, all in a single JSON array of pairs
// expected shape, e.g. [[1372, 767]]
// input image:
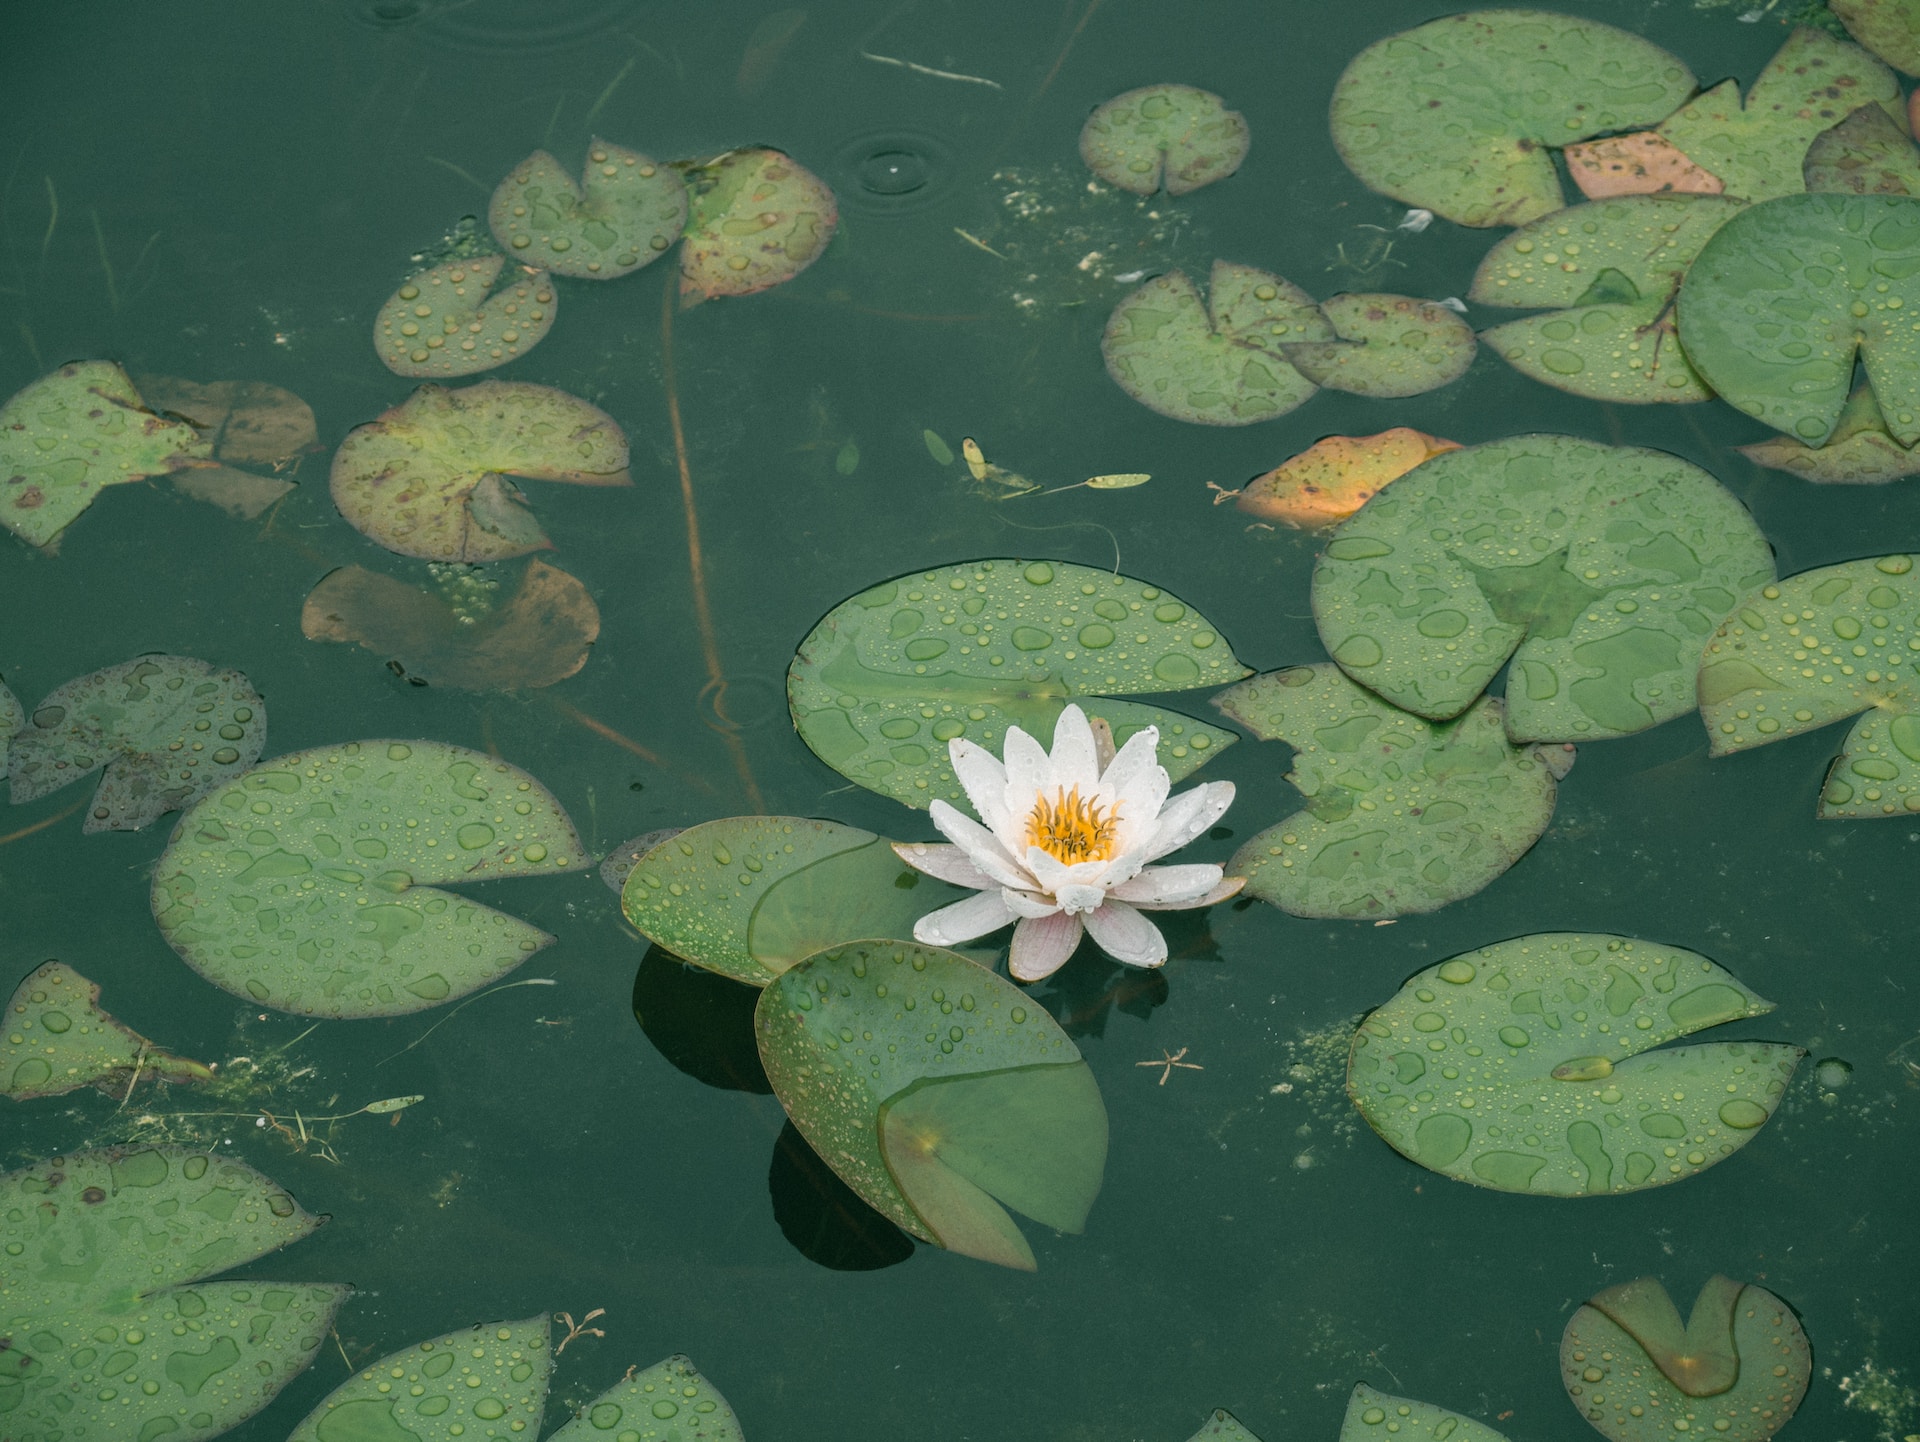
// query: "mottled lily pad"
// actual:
[[1889, 28], [1223, 1426], [166, 728], [426, 478], [1221, 362], [891, 675], [1457, 115], [1403, 815], [70, 435], [1388, 346], [1865, 154], [1785, 295], [932, 1087], [1737, 1370], [1336, 476], [758, 219], [309, 884], [54, 1038], [1607, 273], [1643, 163], [108, 1332], [1860, 452], [625, 211], [1171, 134], [1381, 1417], [1600, 570], [481, 1384], [451, 319], [245, 422], [1525, 1066], [667, 1402]]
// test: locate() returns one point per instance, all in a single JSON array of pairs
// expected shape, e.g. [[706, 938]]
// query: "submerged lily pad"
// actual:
[[890, 676], [1222, 362], [1860, 452], [1403, 815], [1600, 570], [667, 1402], [1174, 134], [1389, 346], [758, 219], [1780, 301], [626, 211], [1525, 1066], [450, 320], [245, 422], [425, 479], [1737, 1370], [1643, 163], [1889, 28], [1865, 154], [166, 728], [933, 1087], [1608, 274], [481, 1384], [1457, 115], [12, 716], [70, 435], [54, 1038], [309, 883], [1381, 1417], [108, 1332]]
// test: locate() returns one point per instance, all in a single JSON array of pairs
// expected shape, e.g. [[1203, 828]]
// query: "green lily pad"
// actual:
[[1375, 1415], [1865, 154], [758, 219], [108, 1330], [933, 1087], [1223, 1426], [1458, 115], [1525, 1066], [309, 883], [1222, 362], [1600, 570], [425, 479], [1403, 815], [751, 895], [891, 675], [1171, 134], [55, 1039], [1860, 452], [480, 1384], [1607, 273], [1389, 346], [69, 435], [12, 716], [667, 1402], [1737, 1370], [167, 729], [1889, 28], [451, 320], [625, 212]]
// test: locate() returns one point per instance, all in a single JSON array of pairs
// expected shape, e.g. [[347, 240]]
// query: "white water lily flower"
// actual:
[[1066, 847]]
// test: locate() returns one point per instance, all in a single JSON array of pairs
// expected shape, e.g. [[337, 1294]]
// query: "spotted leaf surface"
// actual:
[[667, 1402], [482, 1384], [1380, 1417], [1526, 1066], [1388, 346], [1889, 28], [1402, 814], [889, 677], [1336, 476], [1860, 452], [55, 1038], [451, 319], [1164, 134], [310, 884], [1599, 570], [758, 219], [624, 211], [1865, 154]]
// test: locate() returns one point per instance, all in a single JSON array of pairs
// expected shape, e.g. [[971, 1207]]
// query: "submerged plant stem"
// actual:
[[42, 824]]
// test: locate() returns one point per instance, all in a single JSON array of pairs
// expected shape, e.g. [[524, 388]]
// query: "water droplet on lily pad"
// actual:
[[667, 1402], [1868, 153], [624, 212], [1381, 1417], [55, 1038], [1174, 135], [480, 1384], [758, 219], [450, 320], [1389, 346], [1885, 27]]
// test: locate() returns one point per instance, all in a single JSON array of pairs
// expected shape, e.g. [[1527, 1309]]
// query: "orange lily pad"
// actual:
[[450, 321], [757, 218], [1333, 478], [1643, 163]]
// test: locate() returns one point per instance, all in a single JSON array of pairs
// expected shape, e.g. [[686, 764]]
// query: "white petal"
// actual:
[[1125, 935], [983, 848], [1175, 886], [1078, 900], [1042, 946], [1227, 889], [1187, 815], [984, 780], [1028, 772], [963, 921], [1053, 873], [1136, 785], [1028, 903], [947, 863], [1075, 760]]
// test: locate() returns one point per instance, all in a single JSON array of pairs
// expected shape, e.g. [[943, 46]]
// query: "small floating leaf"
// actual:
[[1858, 453], [618, 866], [759, 218], [1388, 346], [245, 422], [1123, 481], [626, 211], [54, 1038], [391, 1104], [167, 729], [1865, 154], [1222, 1426], [1333, 478], [1174, 134], [449, 320], [941, 452], [1889, 28], [1643, 163], [1380, 1417], [667, 1402], [481, 1384]]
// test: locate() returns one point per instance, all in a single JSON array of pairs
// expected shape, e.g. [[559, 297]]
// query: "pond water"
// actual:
[[231, 194]]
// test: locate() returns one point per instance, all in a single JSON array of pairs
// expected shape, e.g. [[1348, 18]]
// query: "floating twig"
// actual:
[[580, 1328], [929, 70]]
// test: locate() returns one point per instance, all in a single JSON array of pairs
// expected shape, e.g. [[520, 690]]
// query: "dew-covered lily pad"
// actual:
[[1403, 815], [1643, 163], [1381, 1417], [1457, 115], [166, 728], [1174, 134], [107, 1330], [1607, 273], [933, 1087], [625, 211], [1783, 297], [481, 1384], [1388, 346], [1336, 476], [891, 675], [1219, 362], [1525, 1066], [451, 319], [1860, 452], [71, 434], [1600, 570], [427, 478], [1889, 28], [54, 1038], [309, 884], [758, 219], [1865, 154], [1223, 1426], [1737, 1370], [667, 1402]]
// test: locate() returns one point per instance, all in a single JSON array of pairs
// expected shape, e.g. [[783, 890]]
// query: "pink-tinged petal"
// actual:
[[1028, 903], [1226, 890], [982, 847], [984, 780], [1168, 886], [1076, 762], [963, 921], [1187, 816], [1078, 900], [1041, 946], [1125, 935], [947, 863]]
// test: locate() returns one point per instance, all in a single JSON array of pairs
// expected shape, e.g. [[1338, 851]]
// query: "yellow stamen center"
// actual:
[[1070, 830]]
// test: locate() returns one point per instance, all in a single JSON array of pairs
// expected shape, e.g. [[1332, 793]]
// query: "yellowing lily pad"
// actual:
[[54, 1038], [450, 320], [1865, 154], [1334, 477], [758, 219], [625, 211], [1860, 452], [1643, 163], [1171, 134], [1388, 346], [1527, 1066], [1380, 1417], [310, 884], [1889, 28], [1222, 362], [481, 1384], [426, 478], [667, 1402]]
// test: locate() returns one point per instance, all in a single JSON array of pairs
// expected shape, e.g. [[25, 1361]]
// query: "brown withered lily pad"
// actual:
[[1643, 163], [247, 423], [1334, 477]]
